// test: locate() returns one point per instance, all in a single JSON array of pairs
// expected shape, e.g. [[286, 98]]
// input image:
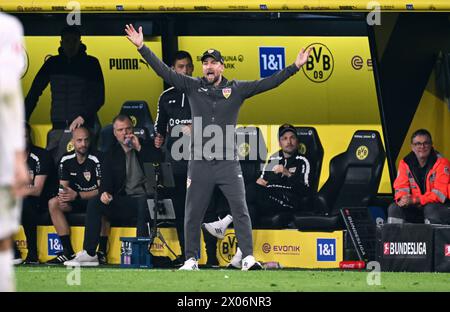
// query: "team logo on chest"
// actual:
[[87, 175], [226, 92]]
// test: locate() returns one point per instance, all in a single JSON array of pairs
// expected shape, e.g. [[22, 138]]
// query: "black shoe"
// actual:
[[60, 259], [256, 266], [31, 260], [17, 257], [212, 263], [101, 258]]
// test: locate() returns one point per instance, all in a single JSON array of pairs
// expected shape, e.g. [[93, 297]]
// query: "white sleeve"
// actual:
[[12, 135]]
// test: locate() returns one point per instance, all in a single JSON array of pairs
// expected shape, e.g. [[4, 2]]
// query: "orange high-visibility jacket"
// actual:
[[437, 182]]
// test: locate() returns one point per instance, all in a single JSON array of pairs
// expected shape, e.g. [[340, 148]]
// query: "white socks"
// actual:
[[7, 283]]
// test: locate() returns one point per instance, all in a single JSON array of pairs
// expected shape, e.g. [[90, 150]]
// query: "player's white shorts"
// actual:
[[10, 211]]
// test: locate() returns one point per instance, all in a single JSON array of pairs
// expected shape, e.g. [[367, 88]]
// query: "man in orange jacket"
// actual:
[[421, 186]]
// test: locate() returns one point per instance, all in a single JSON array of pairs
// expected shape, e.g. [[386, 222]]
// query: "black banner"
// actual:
[[442, 248], [361, 229], [405, 247]]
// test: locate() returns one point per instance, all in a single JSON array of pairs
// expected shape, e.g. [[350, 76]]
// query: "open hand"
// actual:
[[159, 140], [137, 38], [302, 57], [76, 123]]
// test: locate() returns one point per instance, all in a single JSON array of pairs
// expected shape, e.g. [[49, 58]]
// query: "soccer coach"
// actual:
[[215, 102]]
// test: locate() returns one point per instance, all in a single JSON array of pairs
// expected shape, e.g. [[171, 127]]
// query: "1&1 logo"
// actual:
[[228, 247], [54, 245], [326, 249], [320, 64]]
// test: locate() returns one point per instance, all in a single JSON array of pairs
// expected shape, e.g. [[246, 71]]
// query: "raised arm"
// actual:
[[179, 81], [251, 88]]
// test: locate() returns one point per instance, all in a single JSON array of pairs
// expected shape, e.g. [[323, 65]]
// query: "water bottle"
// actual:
[[128, 142]]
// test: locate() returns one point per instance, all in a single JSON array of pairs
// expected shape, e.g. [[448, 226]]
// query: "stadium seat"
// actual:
[[63, 137], [252, 152], [107, 138], [74, 219], [310, 146], [353, 182]]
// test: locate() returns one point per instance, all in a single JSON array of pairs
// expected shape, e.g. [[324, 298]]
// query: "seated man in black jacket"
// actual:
[[42, 175], [285, 178], [123, 189]]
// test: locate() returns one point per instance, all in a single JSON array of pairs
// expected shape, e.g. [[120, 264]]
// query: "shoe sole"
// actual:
[[81, 264], [233, 267], [255, 267]]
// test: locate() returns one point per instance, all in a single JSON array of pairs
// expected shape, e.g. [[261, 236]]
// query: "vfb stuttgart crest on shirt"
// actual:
[[87, 175], [226, 92]]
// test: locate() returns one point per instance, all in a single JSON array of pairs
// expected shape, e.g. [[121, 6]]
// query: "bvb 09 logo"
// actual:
[[133, 120], [320, 64], [228, 247], [302, 148], [70, 146], [362, 152]]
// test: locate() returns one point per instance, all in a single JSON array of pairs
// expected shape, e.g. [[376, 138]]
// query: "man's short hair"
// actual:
[[122, 117], [421, 132], [70, 30], [180, 55]]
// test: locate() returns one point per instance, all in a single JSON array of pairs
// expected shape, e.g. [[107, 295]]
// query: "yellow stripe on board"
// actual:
[[220, 5]]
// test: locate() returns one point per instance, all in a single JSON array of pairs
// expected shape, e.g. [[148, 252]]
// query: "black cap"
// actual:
[[285, 128], [214, 54]]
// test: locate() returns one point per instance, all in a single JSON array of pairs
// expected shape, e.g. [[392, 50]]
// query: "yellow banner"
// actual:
[[220, 5], [290, 248], [335, 92], [336, 87]]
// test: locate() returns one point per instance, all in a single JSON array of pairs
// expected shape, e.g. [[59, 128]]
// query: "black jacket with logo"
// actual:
[[77, 88], [297, 165], [215, 105], [114, 166], [173, 110], [81, 177]]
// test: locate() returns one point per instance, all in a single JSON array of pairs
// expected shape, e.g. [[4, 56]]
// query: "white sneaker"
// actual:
[[218, 228], [190, 265], [83, 259], [249, 263], [17, 261], [236, 261]]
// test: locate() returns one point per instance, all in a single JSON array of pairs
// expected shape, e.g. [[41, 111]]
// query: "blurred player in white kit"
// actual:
[[14, 177]]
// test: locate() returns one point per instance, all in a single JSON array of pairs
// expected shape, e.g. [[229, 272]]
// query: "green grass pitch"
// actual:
[[44, 278]]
